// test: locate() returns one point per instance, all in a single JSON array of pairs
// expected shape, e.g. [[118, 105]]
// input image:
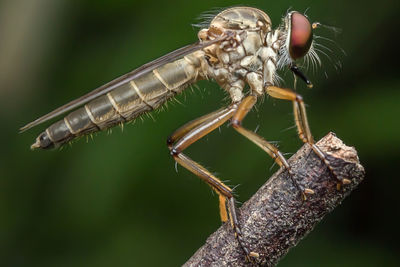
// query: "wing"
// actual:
[[146, 68]]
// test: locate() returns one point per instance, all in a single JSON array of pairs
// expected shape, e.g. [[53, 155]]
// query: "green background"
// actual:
[[117, 199]]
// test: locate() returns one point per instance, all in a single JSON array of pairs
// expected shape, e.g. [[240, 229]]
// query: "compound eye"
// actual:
[[300, 35]]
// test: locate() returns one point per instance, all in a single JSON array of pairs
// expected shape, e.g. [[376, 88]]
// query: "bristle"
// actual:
[[205, 18]]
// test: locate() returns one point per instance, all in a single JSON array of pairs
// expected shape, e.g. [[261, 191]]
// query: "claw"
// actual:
[[254, 254], [305, 192], [346, 181], [309, 191]]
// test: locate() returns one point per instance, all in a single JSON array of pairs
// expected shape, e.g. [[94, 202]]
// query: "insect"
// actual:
[[237, 47]]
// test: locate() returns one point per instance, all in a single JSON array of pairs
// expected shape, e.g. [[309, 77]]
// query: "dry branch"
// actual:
[[276, 218]]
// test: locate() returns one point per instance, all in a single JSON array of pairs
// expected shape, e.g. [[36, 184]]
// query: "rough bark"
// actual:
[[276, 218]]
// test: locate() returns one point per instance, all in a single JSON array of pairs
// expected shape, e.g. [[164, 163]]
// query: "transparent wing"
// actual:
[[146, 68]]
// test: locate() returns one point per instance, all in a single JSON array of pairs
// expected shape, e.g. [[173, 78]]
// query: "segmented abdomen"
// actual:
[[124, 103]]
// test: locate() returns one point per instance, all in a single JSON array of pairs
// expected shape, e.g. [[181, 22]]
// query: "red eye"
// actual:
[[300, 35]]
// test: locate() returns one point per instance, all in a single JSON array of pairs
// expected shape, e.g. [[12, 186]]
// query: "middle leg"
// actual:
[[243, 109]]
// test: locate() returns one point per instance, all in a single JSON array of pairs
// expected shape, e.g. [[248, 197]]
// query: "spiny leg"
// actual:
[[184, 129], [243, 109], [303, 128], [187, 135]]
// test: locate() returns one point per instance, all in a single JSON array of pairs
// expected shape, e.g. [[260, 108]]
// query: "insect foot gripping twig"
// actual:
[[276, 218]]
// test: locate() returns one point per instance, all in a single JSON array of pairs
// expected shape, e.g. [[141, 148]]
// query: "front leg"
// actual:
[[303, 128]]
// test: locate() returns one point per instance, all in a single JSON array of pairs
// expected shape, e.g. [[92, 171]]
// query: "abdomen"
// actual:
[[124, 103]]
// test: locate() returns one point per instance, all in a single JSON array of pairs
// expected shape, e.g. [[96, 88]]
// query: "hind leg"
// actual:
[[187, 135]]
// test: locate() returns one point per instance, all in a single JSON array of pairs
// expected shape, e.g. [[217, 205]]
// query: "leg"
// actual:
[[187, 135], [300, 118], [244, 108], [184, 133], [192, 124]]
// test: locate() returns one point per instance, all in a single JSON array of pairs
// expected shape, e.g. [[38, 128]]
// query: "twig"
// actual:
[[276, 218]]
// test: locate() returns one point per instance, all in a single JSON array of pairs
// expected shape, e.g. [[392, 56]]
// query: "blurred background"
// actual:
[[117, 199]]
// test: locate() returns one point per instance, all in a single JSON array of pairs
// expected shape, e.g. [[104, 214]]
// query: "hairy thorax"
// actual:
[[249, 56]]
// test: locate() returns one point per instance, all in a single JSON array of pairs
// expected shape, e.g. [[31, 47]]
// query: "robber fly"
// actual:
[[238, 47]]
